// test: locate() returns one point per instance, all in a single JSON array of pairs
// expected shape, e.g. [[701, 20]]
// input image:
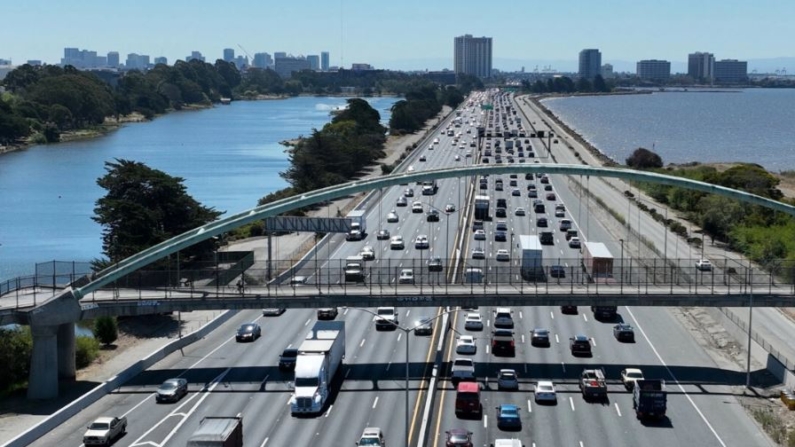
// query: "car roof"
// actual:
[[541, 330], [468, 387], [633, 370], [459, 431], [545, 383], [507, 371], [509, 407]]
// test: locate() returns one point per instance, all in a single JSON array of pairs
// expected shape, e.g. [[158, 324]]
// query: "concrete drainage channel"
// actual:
[[67, 412]]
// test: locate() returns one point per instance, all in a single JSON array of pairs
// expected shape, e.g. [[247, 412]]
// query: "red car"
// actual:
[[459, 437]]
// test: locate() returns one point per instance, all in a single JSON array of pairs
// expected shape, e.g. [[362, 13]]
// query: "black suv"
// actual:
[[288, 358], [501, 203], [580, 345], [624, 332]]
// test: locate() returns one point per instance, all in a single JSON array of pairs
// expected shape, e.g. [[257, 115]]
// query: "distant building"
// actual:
[[113, 59], [731, 71], [701, 66], [654, 69], [33, 62], [82, 58], [262, 60], [590, 63], [161, 60], [285, 66], [229, 54], [197, 55], [472, 55], [279, 54], [607, 71], [5, 61], [324, 60], [136, 62], [361, 67], [241, 62], [314, 62]]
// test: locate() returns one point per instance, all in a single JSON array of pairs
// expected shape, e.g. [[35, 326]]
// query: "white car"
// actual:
[[457, 158], [406, 276], [502, 255], [478, 253], [574, 242], [466, 345], [630, 376], [416, 207], [520, 211], [560, 213], [480, 235], [396, 243], [704, 265], [507, 380], [473, 322], [545, 392], [392, 217], [367, 253], [421, 242]]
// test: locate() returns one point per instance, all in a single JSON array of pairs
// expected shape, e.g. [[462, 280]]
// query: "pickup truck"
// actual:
[[387, 319], [463, 371], [593, 384], [105, 430], [502, 342], [288, 358]]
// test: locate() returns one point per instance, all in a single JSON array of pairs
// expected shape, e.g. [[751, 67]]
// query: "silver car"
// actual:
[[507, 380], [172, 390]]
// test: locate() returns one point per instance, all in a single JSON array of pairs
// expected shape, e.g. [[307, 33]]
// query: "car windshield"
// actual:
[[306, 381], [99, 426], [462, 362], [168, 386], [509, 411], [290, 353], [508, 376], [545, 388], [459, 438], [634, 375], [248, 328], [369, 441]]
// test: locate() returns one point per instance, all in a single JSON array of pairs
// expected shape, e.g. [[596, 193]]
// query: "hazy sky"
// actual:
[[400, 34]]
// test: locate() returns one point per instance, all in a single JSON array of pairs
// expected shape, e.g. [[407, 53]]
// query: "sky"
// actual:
[[406, 34]]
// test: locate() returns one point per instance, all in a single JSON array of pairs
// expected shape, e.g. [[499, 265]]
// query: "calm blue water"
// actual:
[[753, 125], [229, 156]]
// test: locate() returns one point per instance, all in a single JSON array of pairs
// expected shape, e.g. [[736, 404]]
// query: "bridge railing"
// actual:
[[51, 274]]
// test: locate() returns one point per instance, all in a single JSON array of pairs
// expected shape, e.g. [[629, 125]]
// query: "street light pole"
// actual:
[[622, 265]]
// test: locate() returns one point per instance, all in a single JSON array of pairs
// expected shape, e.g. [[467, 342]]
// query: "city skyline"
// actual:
[[354, 31]]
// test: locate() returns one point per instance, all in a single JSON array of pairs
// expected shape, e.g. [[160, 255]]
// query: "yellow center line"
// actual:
[[444, 389]]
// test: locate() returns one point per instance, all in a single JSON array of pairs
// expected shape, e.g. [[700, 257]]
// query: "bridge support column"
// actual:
[[67, 367], [43, 381]]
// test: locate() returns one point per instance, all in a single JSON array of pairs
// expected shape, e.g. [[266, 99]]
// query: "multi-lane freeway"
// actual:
[[227, 378]]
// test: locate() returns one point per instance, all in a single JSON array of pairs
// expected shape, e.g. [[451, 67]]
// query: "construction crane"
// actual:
[[251, 59]]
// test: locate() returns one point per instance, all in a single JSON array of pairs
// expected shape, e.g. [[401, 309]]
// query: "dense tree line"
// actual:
[[564, 84], [421, 104]]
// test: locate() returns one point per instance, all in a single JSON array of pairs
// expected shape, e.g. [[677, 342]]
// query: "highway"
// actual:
[[244, 378]]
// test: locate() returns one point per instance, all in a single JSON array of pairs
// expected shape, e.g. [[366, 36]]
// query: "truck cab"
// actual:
[[354, 269], [387, 318]]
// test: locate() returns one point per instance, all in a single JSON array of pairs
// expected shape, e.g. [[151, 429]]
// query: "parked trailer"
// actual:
[[319, 358]]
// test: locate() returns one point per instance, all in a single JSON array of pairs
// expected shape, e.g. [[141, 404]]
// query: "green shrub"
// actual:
[[87, 349], [106, 330]]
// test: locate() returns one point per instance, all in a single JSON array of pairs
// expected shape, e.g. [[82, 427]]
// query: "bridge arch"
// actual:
[[177, 243]]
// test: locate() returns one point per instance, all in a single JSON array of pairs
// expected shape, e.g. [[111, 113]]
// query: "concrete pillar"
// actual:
[[43, 382], [66, 351]]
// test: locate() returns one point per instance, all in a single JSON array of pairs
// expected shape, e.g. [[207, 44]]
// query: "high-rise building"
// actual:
[[229, 54], [195, 55], [590, 63], [113, 59], [136, 62], [607, 71], [701, 66], [262, 60], [241, 62], [324, 60], [654, 69], [731, 71], [161, 60], [279, 54], [32, 62], [472, 55], [314, 62], [285, 66], [82, 58]]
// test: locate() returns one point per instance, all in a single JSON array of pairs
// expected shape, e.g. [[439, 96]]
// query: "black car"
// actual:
[[580, 345], [547, 187], [501, 212], [557, 271], [569, 309], [435, 264], [539, 337], [248, 332], [528, 176], [382, 235], [541, 222], [624, 332], [423, 326], [432, 216], [500, 236], [288, 358]]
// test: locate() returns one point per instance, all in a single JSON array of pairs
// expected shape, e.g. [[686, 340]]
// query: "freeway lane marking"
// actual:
[[329, 410], [264, 442], [618, 410], [681, 388], [520, 315], [399, 335], [557, 340], [563, 365], [593, 341], [307, 322], [362, 343], [552, 314], [585, 317], [529, 406], [571, 401], [485, 421], [375, 404]]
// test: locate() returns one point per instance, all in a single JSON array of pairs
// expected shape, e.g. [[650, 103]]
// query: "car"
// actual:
[[529, 176], [392, 217], [367, 253], [327, 313], [430, 147], [500, 236], [478, 253], [401, 201], [624, 332], [416, 207], [382, 235], [457, 158], [503, 318], [500, 212], [547, 187], [105, 430], [408, 192], [372, 436], [513, 176], [458, 437], [574, 242], [557, 271], [248, 331], [477, 225], [520, 211], [565, 225], [449, 208], [542, 222], [539, 337], [480, 235], [432, 215], [406, 276], [545, 392], [568, 309], [436, 140], [485, 160], [466, 345], [502, 255], [171, 390], [396, 243], [423, 326], [703, 265], [422, 158], [507, 380], [532, 194], [421, 242], [473, 322], [630, 376], [435, 264], [551, 196], [273, 311], [516, 192], [544, 178], [508, 417], [288, 359], [501, 226], [560, 213], [580, 345]]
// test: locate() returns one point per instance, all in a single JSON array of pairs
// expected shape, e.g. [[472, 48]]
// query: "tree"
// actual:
[[584, 85], [106, 330], [143, 207], [12, 126], [599, 84], [643, 158]]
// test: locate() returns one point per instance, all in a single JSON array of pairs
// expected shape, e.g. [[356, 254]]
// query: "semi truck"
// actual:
[[598, 262], [319, 357], [649, 399], [532, 257], [482, 207], [358, 225], [429, 187], [218, 431]]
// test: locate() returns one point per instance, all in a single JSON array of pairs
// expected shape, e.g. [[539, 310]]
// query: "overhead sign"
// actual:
[[310, 224]]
